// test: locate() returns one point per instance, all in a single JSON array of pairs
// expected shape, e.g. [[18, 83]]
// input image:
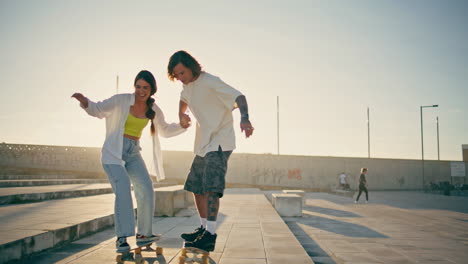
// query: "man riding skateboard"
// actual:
[[211, 101]]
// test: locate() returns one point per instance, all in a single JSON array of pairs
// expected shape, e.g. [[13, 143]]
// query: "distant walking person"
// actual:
[[343, 183], [126, 116], [211, 101], [363, 185]]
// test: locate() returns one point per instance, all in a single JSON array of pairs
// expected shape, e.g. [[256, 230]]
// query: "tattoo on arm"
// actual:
[[213, 206], [242, 104]]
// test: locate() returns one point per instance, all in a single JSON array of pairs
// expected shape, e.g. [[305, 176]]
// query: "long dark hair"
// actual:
[[149, 78], [187, 60]]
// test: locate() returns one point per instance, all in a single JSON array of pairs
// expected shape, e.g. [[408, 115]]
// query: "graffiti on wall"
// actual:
[[275, 176], [295, 174]]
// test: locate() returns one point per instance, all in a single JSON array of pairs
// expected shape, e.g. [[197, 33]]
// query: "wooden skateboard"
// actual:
[[192, 255], [122, 257]]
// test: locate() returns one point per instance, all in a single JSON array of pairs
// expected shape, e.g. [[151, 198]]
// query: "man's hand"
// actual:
[[81, 98], [247, 127], [184, 120]]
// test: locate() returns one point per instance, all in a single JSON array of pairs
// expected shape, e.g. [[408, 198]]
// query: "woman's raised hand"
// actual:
[[81, 98]]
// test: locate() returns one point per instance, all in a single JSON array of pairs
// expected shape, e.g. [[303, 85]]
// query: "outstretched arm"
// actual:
[[245, 124], [100, 109], [166, 129]]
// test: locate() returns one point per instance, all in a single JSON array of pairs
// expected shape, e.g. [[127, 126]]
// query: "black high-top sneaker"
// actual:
[[122, 245], [204, 242], [190, 237]]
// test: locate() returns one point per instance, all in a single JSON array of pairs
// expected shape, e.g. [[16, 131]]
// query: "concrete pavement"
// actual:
[[250, 231], [395, 227]]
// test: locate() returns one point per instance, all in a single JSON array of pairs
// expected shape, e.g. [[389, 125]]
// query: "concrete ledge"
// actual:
[[169, 200], [38, 177], [29, 183], [37, 197], [301, 193], [23, 247], [287, 204], [19, 195]]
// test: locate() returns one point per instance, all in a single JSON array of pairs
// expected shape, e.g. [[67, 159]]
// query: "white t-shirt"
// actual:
[[211, 101], [343, 178]]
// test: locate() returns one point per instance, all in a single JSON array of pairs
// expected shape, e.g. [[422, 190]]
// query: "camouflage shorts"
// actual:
[[208, 173]]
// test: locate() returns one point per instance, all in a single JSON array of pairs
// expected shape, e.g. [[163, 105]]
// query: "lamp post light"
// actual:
[[422, 139]]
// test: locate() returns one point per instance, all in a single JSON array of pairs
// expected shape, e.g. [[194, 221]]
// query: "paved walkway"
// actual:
[[395, 227], [250, 232]]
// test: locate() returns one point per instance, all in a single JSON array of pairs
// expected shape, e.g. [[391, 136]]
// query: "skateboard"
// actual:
[[194, 256], [137, 257]]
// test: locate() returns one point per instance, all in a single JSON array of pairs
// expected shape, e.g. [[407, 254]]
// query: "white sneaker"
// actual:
[[355, 202], [146, 240]]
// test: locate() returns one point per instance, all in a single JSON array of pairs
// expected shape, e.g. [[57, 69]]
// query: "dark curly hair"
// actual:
[[149, 78], [187, 60]]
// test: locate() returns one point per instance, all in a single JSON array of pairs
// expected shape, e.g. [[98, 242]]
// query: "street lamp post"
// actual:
[[368, 134], [277, 123], [438, 147], [422, 139]]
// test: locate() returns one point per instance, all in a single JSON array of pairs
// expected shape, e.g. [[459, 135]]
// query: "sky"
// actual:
[[327, 62]]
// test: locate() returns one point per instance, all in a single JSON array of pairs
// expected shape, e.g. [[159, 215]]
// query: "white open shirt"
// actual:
[[115, 109]]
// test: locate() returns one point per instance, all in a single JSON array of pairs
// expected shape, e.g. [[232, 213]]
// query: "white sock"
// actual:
[[211, 227], [203, 222]]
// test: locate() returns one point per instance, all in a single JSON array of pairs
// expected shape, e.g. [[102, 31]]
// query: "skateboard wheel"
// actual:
[[182, 260], [139, 259], [205, 259], [138, 251], [118, 258], [159, 250], [184, 252]]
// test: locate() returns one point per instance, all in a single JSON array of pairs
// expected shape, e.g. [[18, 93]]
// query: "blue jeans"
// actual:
[[120, 177]]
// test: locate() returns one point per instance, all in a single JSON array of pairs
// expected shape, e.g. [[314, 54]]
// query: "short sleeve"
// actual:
[[226, 94], [183, 96]]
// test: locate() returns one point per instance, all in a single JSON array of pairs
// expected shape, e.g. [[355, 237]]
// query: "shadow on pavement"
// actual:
[[318, 255], [337, 227], [57, 254], [329, 211], [403, 199]]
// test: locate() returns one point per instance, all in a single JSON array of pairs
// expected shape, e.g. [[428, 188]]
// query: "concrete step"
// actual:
[[17, 195], [29, 228], [42, 177], [40, 193], [23, 183]]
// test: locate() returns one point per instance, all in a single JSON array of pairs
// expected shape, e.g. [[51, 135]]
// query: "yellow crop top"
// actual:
[[134, 125]]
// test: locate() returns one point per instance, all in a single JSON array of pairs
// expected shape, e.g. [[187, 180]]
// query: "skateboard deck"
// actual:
[[192, 255], [135, 254]]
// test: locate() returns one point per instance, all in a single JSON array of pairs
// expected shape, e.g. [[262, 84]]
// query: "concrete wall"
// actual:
[[319, 173], [50, 159], [260, 170]]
